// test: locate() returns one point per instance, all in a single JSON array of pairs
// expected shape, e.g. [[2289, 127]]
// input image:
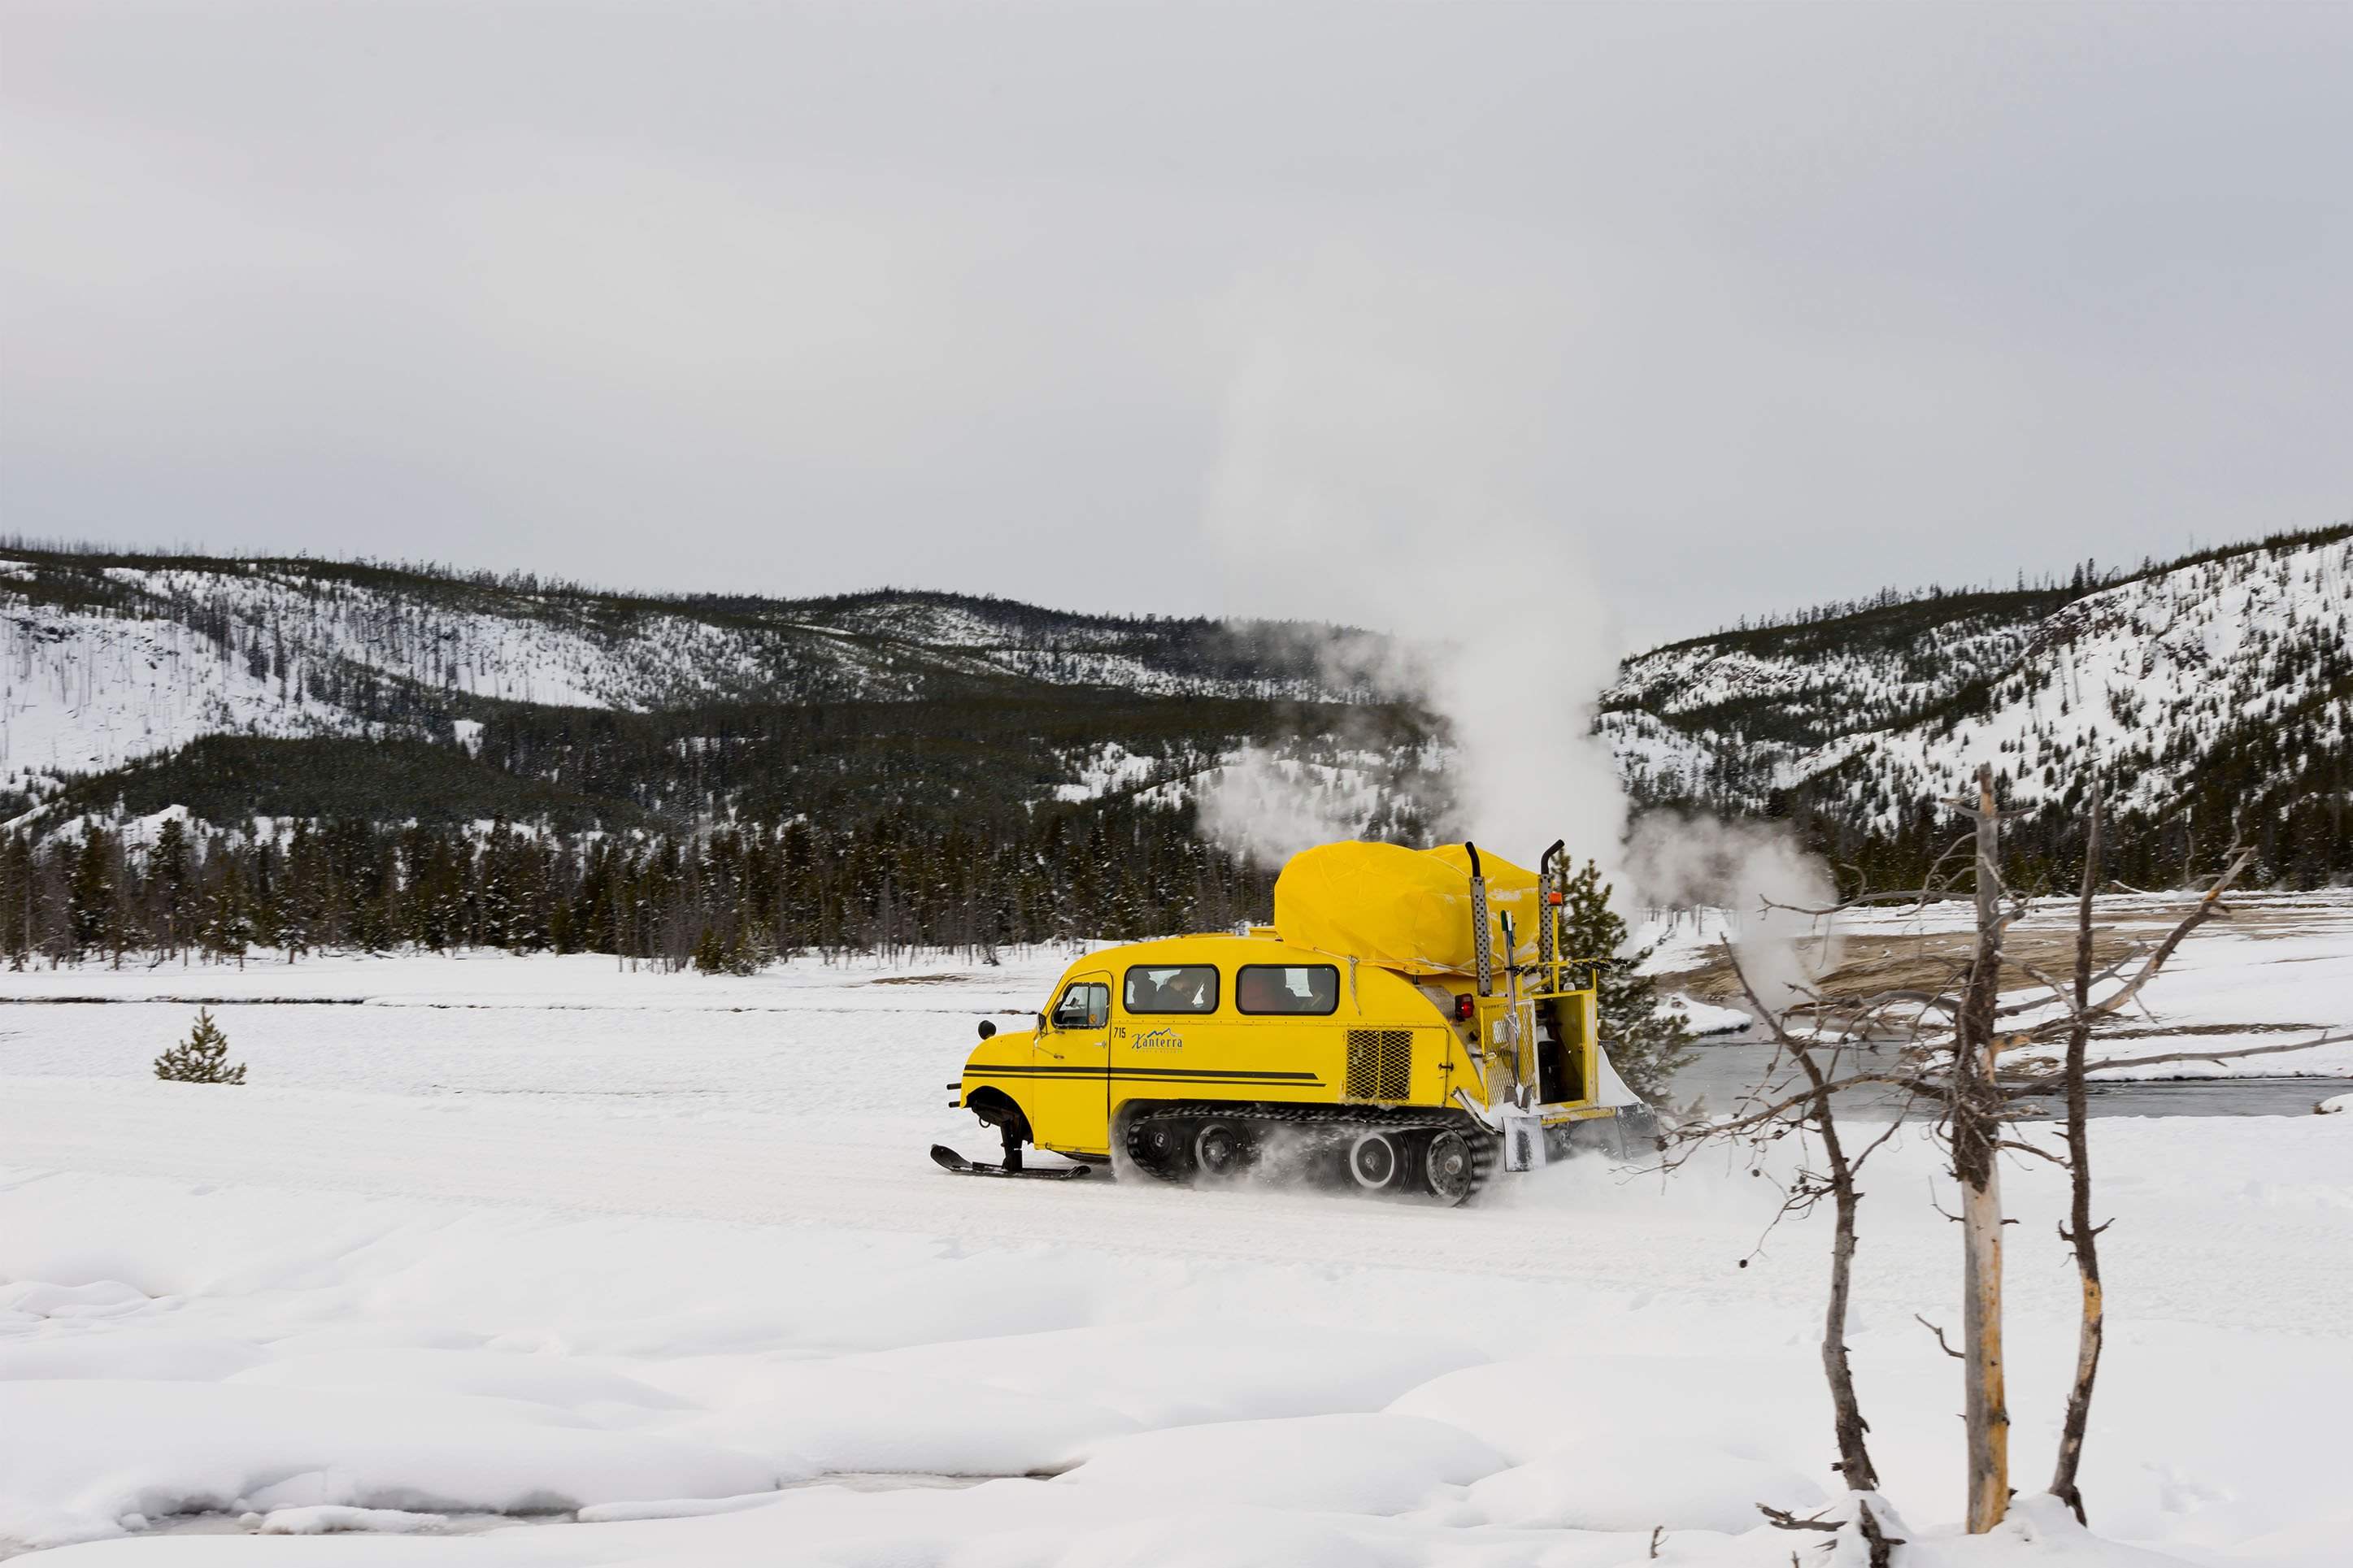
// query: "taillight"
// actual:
[[1462, 1007]]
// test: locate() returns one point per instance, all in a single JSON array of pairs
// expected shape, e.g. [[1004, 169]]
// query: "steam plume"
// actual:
[[1744, 868], [1388, 448], [1383, 455]]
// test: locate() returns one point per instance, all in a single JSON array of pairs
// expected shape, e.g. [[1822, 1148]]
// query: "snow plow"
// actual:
[[1409, 1026]]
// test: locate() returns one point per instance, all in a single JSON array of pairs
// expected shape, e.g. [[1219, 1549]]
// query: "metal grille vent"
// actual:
[[1380, 1063]]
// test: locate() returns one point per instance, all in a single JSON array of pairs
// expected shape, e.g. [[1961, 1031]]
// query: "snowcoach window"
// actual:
[[1085, 1005], [1172, 988], [1287, 988]]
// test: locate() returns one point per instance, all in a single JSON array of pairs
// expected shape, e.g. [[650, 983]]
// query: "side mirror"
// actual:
[[1041, 1023], [988, 1029]]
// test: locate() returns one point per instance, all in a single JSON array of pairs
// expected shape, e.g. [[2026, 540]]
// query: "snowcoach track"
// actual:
[[1331, 1127]]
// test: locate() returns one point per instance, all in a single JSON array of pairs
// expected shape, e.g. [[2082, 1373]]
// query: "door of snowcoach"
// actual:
[[1073, 1059]]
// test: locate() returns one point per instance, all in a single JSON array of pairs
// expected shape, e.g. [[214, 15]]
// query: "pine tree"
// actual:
[[1647, 1044], [174, 882], [202, 1057], [90, 891]]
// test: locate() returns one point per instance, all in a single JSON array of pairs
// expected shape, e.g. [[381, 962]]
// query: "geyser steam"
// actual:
[[1387, 457], [1382, 459]]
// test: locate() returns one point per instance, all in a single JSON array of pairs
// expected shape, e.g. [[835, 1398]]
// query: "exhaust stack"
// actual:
[[1482, 939], [1548, 912]]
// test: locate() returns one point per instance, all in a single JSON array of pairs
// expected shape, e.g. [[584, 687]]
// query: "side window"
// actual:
[[1171, 988], [1085, 1005], [1312, 988]]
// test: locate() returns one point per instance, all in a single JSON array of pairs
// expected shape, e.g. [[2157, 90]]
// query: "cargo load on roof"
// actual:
[[1407, 909]]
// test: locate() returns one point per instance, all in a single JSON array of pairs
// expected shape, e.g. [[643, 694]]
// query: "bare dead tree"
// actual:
[[1975, 1113], [2079, 1233], [1799, 1101], [1977, 1072]]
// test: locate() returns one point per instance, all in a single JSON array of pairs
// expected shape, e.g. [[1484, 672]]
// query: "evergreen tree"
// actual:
[[91, 891], [227, 929], [174, 882], [202, 1057], [1647, 1044]]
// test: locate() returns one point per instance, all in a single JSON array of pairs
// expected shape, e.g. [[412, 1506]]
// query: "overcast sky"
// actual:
[[1746, 307]]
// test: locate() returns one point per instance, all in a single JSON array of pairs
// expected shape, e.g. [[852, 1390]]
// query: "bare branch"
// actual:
[[1939, 1333], [2110, 973], [2208, 905], [1781, 1108], [1932, 890], [1784, 1520], [2027, 1084]]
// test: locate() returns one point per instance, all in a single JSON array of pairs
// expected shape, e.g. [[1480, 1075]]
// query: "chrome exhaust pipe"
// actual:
[[1482, 940]]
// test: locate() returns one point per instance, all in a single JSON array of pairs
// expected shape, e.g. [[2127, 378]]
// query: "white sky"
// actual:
[[1747, 306]]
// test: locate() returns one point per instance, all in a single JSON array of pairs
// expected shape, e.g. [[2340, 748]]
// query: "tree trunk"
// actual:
[[1977, 1125], [1846, 1411], [2080, 1232]]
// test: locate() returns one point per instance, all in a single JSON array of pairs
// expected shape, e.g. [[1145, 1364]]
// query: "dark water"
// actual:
[[1725, 1066]]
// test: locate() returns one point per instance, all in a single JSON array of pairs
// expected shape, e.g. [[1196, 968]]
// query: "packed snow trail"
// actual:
[[2225, 1238], [535, 1234]]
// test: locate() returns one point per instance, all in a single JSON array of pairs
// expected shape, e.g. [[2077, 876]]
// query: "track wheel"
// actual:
[[1374, 1161], [1221, 1150], [1448, 1170], [1161, 1147]]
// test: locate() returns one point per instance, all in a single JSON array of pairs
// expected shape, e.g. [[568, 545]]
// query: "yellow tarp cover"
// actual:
[[1401, 909]]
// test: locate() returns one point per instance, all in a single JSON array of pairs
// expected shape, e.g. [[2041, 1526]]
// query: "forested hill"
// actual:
[[2217, 692], [113, 658], [293, 752]]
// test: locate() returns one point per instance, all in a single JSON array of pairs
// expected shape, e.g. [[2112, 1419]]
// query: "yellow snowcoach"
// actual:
[[1408, 1022]]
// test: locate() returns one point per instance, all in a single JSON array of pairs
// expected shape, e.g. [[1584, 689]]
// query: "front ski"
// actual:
[[948, 1159]]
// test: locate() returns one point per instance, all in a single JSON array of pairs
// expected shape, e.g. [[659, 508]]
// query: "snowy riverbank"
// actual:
[[530, 1238]]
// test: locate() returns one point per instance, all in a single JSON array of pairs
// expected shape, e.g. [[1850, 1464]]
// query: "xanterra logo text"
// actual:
[[1159, 1040]]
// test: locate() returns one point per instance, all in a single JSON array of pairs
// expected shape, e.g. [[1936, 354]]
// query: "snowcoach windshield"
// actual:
[[1287, 988], [1172, 988]]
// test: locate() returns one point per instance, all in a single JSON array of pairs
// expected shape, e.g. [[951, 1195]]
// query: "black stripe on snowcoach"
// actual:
[[1209, 1075], [1154, 1075]]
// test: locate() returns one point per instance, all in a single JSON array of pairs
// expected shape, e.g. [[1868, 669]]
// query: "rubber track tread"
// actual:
[[1484, 1145]]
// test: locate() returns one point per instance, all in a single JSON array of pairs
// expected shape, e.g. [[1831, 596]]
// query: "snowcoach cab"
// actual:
[[1406, 1024]]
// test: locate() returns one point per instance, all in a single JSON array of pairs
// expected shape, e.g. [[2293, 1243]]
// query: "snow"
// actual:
[[867, 1417], [1354, 1463], [1108, 769], [273, 648], [1705, 1017], [76, 1456], [2150, 672], [328, 1518], [1636, 1483], [2278, 968], [658, 1259]]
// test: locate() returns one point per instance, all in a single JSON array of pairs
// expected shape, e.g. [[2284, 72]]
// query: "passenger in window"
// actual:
[[1261, 990], [1187, 991]]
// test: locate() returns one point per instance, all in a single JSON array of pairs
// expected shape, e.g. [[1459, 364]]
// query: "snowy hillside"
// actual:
[[113, 659], [2218, 690], [2239, 656]]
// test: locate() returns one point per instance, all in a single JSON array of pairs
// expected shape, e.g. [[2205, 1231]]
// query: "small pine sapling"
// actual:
[[1648, 1043], [202, 1057]]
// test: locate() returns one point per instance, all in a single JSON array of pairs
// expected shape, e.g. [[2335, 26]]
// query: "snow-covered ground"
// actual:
[[658, 1262], [2279, 969]]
